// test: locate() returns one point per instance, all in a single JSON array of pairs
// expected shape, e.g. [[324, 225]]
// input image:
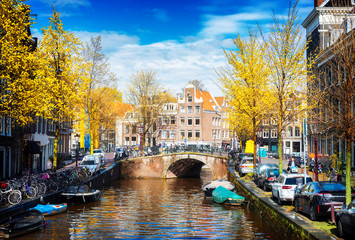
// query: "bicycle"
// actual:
[[7, 193]]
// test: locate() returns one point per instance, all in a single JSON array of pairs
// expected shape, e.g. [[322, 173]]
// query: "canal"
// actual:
[[154, 209]]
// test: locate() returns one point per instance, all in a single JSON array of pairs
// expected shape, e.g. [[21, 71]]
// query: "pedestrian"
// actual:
[[291, 163], [49, 164]]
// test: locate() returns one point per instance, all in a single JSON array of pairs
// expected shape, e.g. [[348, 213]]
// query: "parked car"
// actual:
[[92, 163], [268, 177], [240, 158], [260, 168], [284, 187], [345, 219], [247, 165], [101, 155], [315, 198]]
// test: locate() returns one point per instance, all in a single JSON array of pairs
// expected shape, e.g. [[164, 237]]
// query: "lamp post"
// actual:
[[259, 136], [77, 137], [314, 130]]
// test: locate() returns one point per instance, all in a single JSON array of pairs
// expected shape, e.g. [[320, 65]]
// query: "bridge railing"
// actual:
[[180, 149]]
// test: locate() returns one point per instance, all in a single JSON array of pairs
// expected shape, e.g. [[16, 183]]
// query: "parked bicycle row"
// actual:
[[13, 191]]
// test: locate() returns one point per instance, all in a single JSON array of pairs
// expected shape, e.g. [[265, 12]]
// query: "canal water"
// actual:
[[154, 209]]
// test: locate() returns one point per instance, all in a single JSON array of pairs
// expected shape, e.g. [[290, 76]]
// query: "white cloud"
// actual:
[[174, 62], [69, 3]]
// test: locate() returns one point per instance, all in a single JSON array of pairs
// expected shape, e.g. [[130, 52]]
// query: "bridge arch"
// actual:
[[174, 165]]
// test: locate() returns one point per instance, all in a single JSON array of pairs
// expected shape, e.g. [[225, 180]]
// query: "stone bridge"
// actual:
[[174, 165]]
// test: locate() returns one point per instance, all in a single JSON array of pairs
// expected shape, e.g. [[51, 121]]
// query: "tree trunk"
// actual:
[[55, 147], [348, 170]]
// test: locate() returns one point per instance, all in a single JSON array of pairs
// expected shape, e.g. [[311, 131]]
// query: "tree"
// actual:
[[200, 86], [148, 96], [285, 53], [58, 70], [247, 84], [97, 89], [22, 93], [332, 89]]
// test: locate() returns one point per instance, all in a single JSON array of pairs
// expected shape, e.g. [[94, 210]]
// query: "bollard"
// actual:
[[333, 214]]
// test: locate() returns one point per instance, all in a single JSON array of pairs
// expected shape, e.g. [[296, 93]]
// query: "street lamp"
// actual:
[[77, 138], [314, 131], [259, 136]]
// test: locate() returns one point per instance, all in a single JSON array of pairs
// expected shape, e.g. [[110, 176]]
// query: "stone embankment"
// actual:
[[288, 225]]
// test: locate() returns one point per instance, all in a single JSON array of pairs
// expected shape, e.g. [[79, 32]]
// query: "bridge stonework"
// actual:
[[174, 165]]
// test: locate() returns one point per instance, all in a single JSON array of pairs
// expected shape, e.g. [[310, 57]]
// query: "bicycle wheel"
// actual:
[[14, 197], [31, 192], [53, 186], [42, 188]]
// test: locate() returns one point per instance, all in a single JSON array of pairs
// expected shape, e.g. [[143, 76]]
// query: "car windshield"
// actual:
[[330, 186], [97, 151], [273, 172], [88, 162], [293, 180]]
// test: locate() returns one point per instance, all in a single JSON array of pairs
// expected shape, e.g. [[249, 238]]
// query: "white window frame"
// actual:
[[197, 109], [265, 133]]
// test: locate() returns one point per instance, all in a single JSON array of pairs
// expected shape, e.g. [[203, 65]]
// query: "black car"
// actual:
[[345, 220], [267, 177], [315, 198]]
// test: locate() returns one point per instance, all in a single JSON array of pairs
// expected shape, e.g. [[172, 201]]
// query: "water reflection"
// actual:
[[154, 209]]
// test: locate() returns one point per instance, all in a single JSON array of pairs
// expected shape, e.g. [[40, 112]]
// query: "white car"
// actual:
[[101, 154], [92, 163], [285, 185], [247, 165]]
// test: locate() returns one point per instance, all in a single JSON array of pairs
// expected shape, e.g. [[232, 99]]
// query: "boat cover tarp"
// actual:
[[50, 208], [221, 194]]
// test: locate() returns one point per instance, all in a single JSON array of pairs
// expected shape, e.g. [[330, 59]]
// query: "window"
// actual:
[[273, 133], [197, 121], [126, 141], [172, 134], [189, 134], [134, 140], [213, 122], [134, 129], [197, 109], [164, 134], [126, 129], [265, 133], [189, 98], [182, 109], [165, 120], [182, 134], [189, 109], [297, 132], [172, 120], [197, 134], [189, 121], [266, 122], [182, 121], [223, 134], [288, 144], [290, 132]]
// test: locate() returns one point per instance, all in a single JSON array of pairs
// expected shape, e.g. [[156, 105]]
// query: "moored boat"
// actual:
[[80, 194], [51, 209], [224, 196], [21, 223], [209, 187]]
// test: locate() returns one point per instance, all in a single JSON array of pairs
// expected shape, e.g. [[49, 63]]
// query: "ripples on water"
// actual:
[[154, 209]]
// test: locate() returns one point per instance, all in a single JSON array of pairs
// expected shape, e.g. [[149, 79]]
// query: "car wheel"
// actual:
[[340, 228], [297, 206], [312, 213], [279, 199]]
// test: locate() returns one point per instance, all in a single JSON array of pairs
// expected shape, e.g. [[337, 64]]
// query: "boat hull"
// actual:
[[22, 223], [51, 209], [81, 197]]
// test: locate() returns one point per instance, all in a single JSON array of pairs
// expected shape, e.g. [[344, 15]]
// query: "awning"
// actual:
[[32, 148]]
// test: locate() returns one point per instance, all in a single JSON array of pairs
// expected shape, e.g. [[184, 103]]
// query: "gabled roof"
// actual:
[[219, 101], [208, 100]]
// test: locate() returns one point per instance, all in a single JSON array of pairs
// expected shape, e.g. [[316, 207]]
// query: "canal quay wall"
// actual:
[[106, 176], [287, 225]]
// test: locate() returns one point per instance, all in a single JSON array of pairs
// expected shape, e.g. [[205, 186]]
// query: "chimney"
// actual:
[[317, 3]]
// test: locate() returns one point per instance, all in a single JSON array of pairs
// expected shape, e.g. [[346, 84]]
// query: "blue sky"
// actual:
[[180, 40]]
